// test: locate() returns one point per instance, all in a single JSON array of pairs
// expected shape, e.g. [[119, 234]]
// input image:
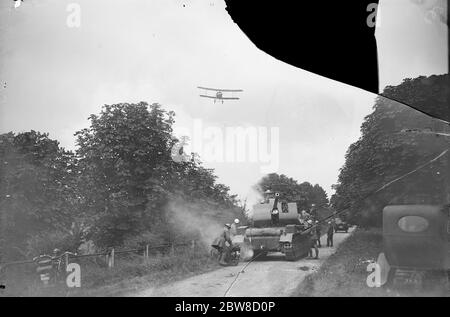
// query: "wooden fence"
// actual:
[[111, 254]]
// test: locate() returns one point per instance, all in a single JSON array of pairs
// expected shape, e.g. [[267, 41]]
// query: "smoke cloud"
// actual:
[[202, 220]]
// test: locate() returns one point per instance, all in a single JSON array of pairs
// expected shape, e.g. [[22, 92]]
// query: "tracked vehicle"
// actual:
[[275, 227]]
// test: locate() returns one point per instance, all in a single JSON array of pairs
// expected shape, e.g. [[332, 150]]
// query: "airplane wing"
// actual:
[[222, 98], [222, 90]]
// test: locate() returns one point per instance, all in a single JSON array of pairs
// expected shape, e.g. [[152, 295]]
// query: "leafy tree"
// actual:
[[37, 193], [129, 177], [319, 196], [305, 194], [428, 94], [384, 153]]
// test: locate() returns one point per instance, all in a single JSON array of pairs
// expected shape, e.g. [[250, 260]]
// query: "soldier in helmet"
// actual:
[[330, 233], [233, 230], [225, 245]]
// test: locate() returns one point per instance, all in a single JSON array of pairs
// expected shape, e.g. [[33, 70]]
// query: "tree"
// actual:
[[129, 177], [37, 193], [428, 94], [319, 196], [383, 153], [304, 194]]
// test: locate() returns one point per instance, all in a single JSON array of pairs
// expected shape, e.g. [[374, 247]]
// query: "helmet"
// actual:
[[310, 222], [236, 221], [228, 225]]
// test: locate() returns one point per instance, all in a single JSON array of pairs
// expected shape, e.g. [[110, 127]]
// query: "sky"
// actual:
[[54, 76]]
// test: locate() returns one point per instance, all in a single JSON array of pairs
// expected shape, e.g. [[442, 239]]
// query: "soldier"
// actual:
[[224, 240], [330, 233], [305, 216], [313, 241], [233, 230], [319, 234]]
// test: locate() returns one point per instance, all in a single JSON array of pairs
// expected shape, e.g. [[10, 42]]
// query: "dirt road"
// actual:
[[271, 276]]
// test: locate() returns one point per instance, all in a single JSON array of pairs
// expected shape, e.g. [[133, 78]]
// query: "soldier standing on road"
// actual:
[[319, 234], [330, 234], [313, 241]]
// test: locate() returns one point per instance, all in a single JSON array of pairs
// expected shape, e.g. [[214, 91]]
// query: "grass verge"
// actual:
[[344, 274], [130, 275]]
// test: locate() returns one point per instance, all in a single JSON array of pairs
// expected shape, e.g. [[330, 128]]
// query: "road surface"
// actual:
[[267, 277]]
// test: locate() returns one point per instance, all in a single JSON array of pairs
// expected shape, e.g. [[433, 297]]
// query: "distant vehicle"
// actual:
[[218, 94], [341, 226], [416, 241]]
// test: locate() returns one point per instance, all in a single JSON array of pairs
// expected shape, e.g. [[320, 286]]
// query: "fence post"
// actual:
[[111, 259], [172, 249], [193, 244], [67, 259], [146, 251]]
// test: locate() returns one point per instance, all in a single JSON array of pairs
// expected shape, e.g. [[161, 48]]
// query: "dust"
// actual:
[[254, 197], [247, 252], [197, 220]]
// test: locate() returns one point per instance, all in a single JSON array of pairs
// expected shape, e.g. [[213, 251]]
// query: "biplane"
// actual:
[[219, 94]]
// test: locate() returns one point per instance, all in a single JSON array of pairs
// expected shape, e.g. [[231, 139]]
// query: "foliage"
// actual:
[[37, 193], [115, 190], [428, 94], [384, 153], [305, 193], [129, 176]]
